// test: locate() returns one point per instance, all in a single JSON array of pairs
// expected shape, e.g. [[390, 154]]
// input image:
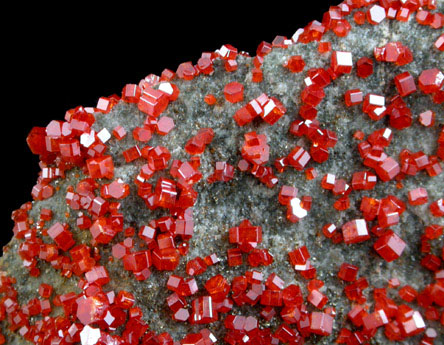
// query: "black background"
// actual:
[[56, 59]]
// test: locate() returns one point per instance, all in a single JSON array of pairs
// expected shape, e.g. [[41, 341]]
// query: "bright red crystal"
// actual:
[[390, 246], [142, 134], [298, 158], [257, 75], [131, 93], [321, 323], [90, 309], [374, 106], [197, 144], [365, 180], [355, 231], [45, 290], [203, 311], [317, 298], [405, 84], [295, 64], [234, 92], [153, 102], [117, 190], [210, 99], [324, 47], [165, 259], [439, 44], [36, 140], [348, 272], [407, 293], [273, 109], [364, 67], [387, 169], [431, 80], [437, 208], [296, 210], [101, 167], [427, 118], [433, 231], [353, 97], [341, 62], [286, 194], [102, 230], [359, 17], [234, 256], [329, 230], [418, 196], [186, 71], [375, 14], [245, 234], [255, 148], [119, 132], [164, 125], [312, 95], [61, 236]]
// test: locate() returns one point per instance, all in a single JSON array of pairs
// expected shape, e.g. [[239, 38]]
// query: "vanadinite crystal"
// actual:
[[291, 197]]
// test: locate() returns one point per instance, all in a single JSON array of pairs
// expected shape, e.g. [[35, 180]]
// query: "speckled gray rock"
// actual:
[[223, 205]]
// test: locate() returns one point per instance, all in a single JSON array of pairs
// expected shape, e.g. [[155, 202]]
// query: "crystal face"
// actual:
[[288, 197]]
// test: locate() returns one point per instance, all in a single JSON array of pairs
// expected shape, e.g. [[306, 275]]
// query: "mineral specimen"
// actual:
[[288, 197]]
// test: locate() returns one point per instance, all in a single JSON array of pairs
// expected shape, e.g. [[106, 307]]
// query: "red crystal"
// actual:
[[164, 125], [375, 14], [131, 93], [165, 259], [348, 272], [418, 196], [295, 64], [427, 118], [153, 102], [312, 95], [61, 236], [405, 84], [218, 287], [341, 62], [210, 99], [430, 80], [353, 97], [321, 323], [203, 311], [439, 44], [298, 158], [101, 167], [255, 148], [223, 172], [197, 144], [234, 92], [234, 256], [196, 266], [364, 67], [390, 246], [355, 231], [437, 208], [387, 169], [407, 293], [245, 233], [317, 298], [186, 71]]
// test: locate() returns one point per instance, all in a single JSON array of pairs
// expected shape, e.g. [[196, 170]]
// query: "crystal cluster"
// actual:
[[294, 196]]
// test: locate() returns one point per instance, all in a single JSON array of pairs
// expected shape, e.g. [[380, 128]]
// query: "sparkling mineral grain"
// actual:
[[294, 196]]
